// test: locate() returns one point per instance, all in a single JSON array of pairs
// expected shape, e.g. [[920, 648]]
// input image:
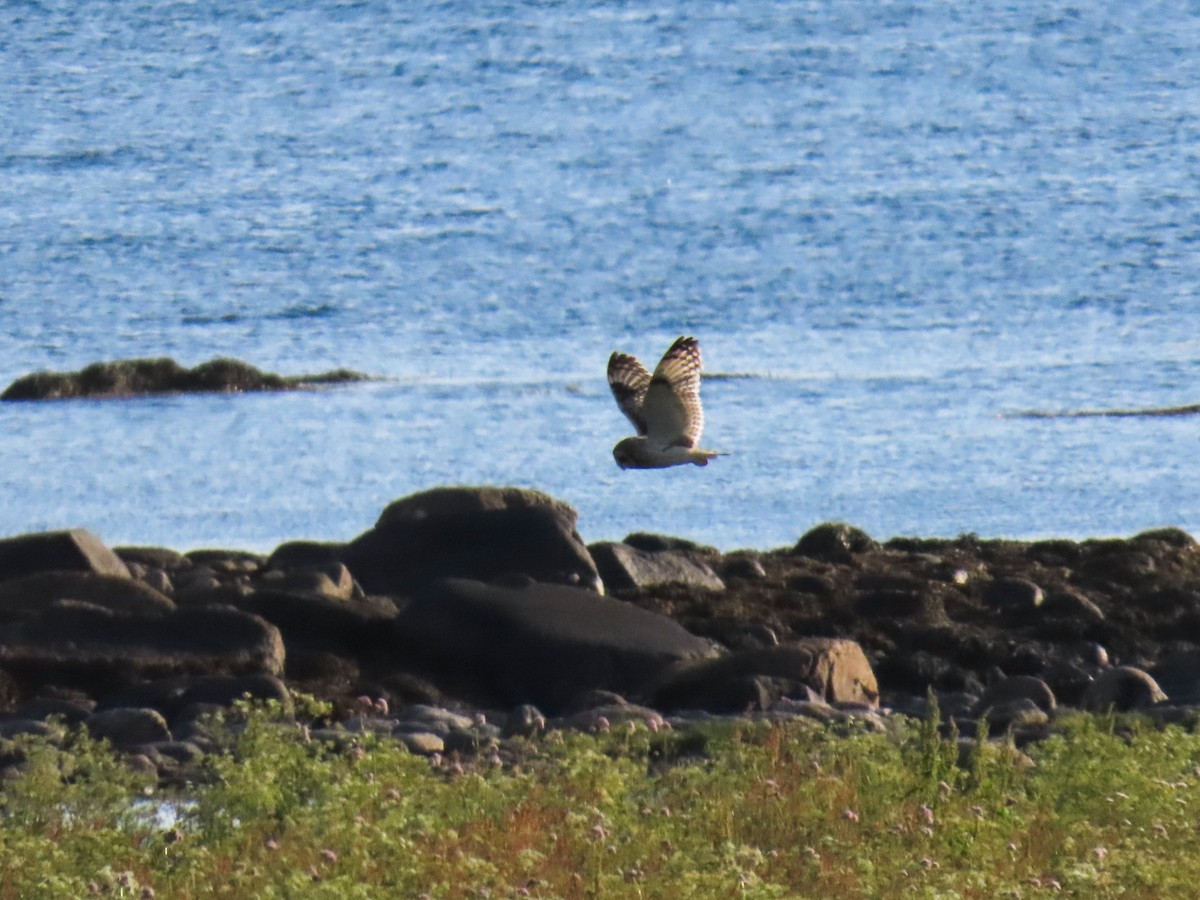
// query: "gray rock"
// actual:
[[26, 596], [126, 727], [76, 550], [831, 668], [423, 743], [542, 644], [433, 718], [460, 533], [624, 568], [1121, 689]]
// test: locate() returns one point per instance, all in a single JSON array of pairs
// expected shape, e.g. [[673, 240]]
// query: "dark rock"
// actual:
[[1072, 605], [542, 644], [135, 377], [657, 543], [834, 542], [525, 720], [357, 628], [743, 566], [1015, 595], [1178, 675], [72, 712], [154, 557], [98, 651], [227, 562], [128, 726], [834, 669], [1121, 689], [29, 595], [304, 555], [18, 727], [459, 533], [1171, 537], [625, 568], [1016, 687], [224, 690], [76, 550], [332, 580]]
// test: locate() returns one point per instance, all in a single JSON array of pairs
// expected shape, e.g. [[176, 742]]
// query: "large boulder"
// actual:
[[76, 550], [830, 669], [477, 533], [623, 568], [88, 647], [541, 644], [28, 596]]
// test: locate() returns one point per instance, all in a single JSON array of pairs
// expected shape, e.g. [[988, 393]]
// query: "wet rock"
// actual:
[[128, 726], [833, 669], [76, 550], [135, 377], [93, 649], [834, 542], [476, 533], [1121, 689], [30, 595], [542, 644], [625, 568]]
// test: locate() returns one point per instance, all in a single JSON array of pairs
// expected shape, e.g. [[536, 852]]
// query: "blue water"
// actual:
[[894, 223]]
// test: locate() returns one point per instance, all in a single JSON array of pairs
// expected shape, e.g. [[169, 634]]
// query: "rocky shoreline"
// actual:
[[467, 617]]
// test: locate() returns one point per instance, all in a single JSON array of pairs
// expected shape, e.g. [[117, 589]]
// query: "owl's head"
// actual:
[[626, 453]]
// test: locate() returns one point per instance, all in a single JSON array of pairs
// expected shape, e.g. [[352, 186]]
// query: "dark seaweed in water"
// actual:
[[134, 377]]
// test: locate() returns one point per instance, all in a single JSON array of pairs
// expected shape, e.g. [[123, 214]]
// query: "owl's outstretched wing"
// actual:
[[671, 407], [629, 382]]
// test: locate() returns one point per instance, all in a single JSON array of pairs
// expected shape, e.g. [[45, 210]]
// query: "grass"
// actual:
[[1108, 808]]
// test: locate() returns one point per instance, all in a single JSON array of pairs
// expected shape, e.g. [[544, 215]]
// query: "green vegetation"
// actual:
[[732, 810]]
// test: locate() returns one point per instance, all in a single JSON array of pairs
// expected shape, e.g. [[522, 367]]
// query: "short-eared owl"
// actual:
[[663, 407]]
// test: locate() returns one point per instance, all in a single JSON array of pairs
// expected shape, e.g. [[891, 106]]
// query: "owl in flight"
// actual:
[[663, 407]]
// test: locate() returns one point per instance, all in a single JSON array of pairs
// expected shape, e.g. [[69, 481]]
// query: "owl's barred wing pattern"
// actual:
[[629, 382], [671, 407]]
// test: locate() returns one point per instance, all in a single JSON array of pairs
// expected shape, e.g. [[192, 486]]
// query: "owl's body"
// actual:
[[663, 407]]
